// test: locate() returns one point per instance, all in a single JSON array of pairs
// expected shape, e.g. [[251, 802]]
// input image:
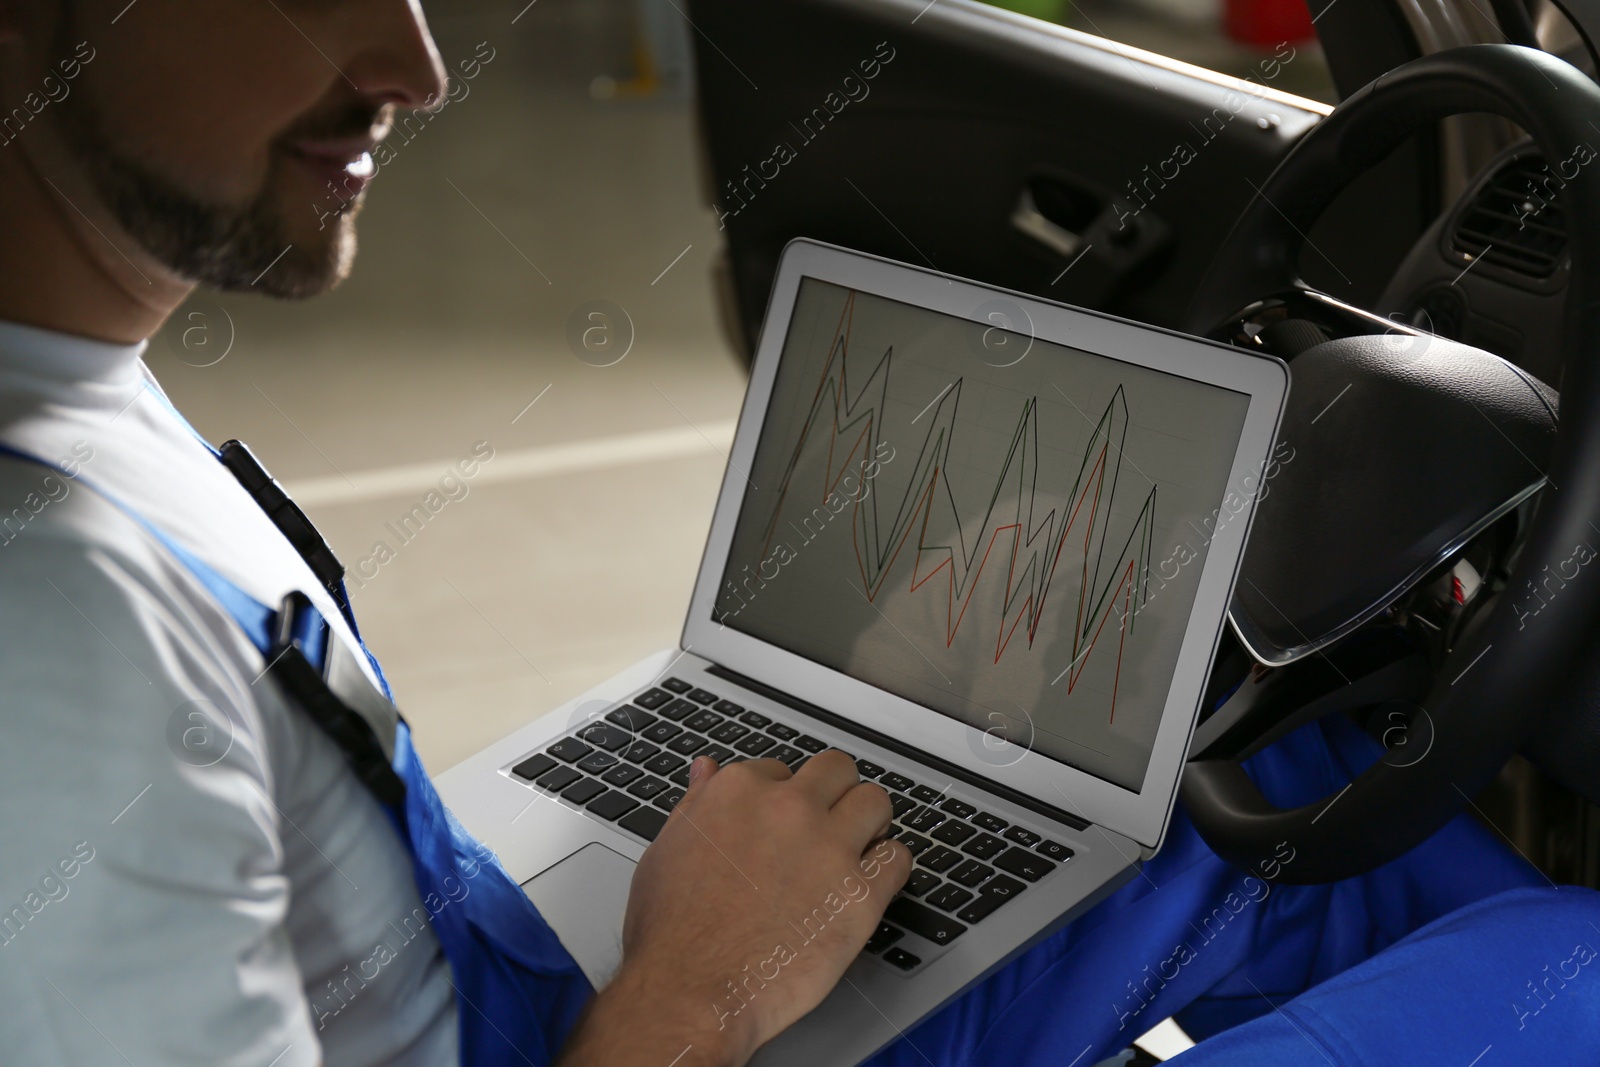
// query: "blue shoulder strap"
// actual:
[[218, 584], [254, 617]]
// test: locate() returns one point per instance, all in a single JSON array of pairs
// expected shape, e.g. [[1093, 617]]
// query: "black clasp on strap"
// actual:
[[287, 517], [346, 727]]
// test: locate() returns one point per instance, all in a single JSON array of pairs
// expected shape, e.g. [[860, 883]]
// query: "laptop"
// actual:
[[983, 543]]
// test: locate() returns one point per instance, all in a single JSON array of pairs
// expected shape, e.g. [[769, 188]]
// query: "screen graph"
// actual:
[[991, 538]]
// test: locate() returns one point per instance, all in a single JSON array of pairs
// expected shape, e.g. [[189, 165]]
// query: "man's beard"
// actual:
[[227, 248], [230, 249]]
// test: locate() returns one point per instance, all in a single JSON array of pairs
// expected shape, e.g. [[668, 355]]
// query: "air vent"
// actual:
[[1514, 220]]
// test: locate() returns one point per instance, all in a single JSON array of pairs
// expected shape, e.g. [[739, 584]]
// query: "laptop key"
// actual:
[[639, 751], [749, 718], [676, 685], [949, 897], [810, 744], [984, 821], [604, 735], [720, 753], [990, 897], [583, 792], [729, 732], [687, 744], [868, 769], [786, 754], [570, 749], [923, 921], [703, 721], [1053, 850], [915, 843], [884, 936], [923, 819], [1025, 838], [728, 707], [920, 882], [782, 732], [612, 806], [678, 709], [755, 744], [622, 774], [703, 696], [669, 800], [558, 779], [954, 832], [648, 788], [902, 804], [533, 766], [984, 846], [1024, 864], [970, 873], [651, 699], [681, 776], [926, 793], [662, 732], [959, 808], [646, 822], [939, 859], [630, 718], [902, 959], [597, 762], [664, 763], [896, 781]]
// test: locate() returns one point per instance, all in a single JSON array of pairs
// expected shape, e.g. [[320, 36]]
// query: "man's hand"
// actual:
[[757, 894]]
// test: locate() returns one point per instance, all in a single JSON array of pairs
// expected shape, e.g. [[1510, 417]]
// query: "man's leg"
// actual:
[[1513, 979], [1192, 932]]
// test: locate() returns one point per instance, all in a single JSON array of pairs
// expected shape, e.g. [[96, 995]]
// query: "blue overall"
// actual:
[[1444, 955]]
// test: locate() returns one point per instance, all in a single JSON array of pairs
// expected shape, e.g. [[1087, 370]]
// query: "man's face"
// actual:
[[227, 137]]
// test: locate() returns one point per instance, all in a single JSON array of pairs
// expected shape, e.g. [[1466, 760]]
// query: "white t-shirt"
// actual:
[[259, 910]]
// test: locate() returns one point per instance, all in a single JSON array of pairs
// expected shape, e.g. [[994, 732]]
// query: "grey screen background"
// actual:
[[1005, 530]]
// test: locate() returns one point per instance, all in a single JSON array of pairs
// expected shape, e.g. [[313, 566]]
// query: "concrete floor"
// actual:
[[574, 550]]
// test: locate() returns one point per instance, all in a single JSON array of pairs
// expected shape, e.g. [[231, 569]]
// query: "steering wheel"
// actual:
[[1487, 696]]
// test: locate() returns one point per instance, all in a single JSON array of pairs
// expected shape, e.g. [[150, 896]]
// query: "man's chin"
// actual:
[[298, 264], [308, 264]]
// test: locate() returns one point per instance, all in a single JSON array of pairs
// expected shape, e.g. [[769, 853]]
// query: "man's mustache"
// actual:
[[348, 122]]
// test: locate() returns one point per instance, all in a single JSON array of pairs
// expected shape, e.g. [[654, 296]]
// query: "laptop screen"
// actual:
[[1005, 530]]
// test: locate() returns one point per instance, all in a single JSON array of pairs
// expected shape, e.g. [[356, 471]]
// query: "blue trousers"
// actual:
[[1458, 953]]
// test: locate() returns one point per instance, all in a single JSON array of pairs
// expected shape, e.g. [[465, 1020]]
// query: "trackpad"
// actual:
[[584, 898]]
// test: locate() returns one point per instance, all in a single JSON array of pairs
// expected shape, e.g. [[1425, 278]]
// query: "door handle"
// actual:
[[1028, 220]]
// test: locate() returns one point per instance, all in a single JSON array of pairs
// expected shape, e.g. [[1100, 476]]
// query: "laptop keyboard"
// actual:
[[632, 767]]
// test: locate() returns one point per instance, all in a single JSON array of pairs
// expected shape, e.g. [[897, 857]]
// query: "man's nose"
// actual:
[[396, 61]]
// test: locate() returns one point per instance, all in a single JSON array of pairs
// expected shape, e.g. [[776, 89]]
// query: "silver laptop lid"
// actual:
[[1002, 530]]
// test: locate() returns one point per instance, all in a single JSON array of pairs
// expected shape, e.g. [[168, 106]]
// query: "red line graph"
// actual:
[[1031, 536]]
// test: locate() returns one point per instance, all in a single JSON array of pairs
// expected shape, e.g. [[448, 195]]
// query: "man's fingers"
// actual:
[[888, 863], [770, 768], [827, 776], [863, 814], [701, 769]]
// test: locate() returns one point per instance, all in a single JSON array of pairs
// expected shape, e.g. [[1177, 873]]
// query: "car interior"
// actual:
[[1420, 256]]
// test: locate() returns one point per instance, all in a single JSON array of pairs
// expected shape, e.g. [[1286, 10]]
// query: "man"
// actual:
[[226, 892], [171, 897]]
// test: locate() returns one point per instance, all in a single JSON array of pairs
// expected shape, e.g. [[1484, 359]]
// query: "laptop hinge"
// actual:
[[977, 781]]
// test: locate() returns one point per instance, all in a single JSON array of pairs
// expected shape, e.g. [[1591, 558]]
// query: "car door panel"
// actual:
[[980, 143]]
